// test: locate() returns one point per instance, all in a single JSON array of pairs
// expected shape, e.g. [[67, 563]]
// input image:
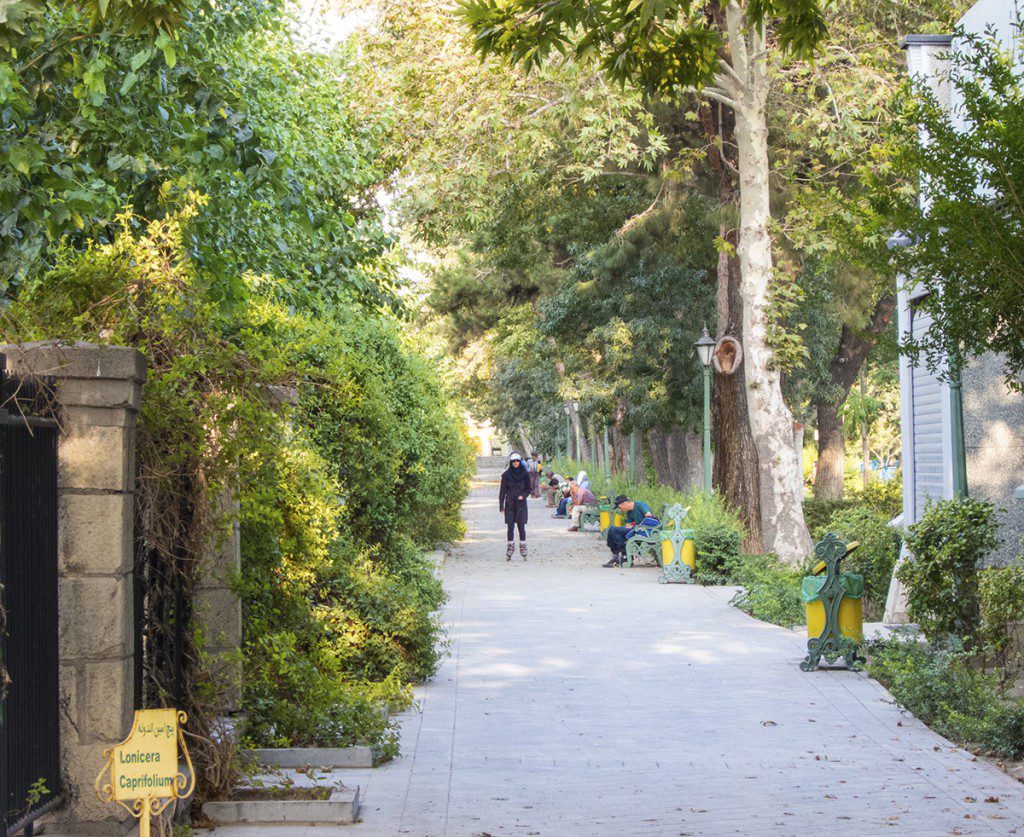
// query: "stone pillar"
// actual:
[[98, 388], [218, 609]]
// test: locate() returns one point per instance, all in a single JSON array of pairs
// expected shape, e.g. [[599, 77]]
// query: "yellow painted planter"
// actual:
[[606, 517], [618, 520], [851, 618], [689, 556]]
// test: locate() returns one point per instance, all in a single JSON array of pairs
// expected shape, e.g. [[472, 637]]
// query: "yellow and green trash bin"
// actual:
[[678, 558], [851, 610], [608, 515], [834, 604]]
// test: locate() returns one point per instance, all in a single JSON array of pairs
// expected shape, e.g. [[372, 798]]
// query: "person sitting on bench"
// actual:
[[638, 517], [562, 512], [551, 485], [583, 500]]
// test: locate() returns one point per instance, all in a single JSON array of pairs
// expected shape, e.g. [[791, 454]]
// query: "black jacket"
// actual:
[[515, 483]]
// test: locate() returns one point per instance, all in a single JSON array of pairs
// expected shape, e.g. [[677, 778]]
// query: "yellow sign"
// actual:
[[143, 769]]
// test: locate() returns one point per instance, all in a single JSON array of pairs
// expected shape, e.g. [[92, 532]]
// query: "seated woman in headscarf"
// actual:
[[582, 480]]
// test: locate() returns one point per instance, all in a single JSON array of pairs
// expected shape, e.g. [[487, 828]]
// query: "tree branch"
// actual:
[[719, 96]]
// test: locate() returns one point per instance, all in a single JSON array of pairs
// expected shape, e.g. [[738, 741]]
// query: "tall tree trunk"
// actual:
[[736, 471], [525, 440], [579, 435], [844, 368], [771, 422], [735, 467], [677, 457], [828, 476]]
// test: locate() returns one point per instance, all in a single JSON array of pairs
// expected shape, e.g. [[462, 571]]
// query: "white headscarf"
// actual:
[[583, 480]]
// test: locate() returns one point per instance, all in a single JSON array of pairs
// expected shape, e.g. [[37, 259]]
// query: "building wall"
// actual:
[[994, 441]]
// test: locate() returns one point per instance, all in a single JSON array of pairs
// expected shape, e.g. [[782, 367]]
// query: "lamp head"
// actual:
[[705, 347]]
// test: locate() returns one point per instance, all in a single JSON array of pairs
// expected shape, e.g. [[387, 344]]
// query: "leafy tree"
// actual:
[[667, 48], [98, 117], [968, 226], [829, 119]]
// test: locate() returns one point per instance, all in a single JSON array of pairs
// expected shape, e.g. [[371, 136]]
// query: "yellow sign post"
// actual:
[[143, 769]]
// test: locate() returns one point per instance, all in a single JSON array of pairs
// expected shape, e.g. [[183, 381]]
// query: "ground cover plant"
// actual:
[[944, 686], [958, 676]]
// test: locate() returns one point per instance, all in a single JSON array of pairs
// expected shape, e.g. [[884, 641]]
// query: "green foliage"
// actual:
[[618, 320], [818, 513], [966, 226], [338, 498], [1001, 607], [947, 545], [874, 559], [97, 118], [339, 600], [942, 686], [37, 792], [883, 498], [661, 46], [771, 590], [718, 552]]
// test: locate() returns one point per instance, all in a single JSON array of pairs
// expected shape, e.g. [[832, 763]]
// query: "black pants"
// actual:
[[563, 506], [512, 528], [617, 536]]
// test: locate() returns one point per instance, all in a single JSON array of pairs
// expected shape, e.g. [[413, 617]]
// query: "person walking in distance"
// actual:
[[512, 502]]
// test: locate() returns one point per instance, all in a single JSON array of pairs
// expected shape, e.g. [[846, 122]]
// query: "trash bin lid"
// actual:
[[852, 584]]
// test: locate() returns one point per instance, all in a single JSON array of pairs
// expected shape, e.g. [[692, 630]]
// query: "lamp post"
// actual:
[[705, 347], [607, 460], [568, 433], [575, 405]]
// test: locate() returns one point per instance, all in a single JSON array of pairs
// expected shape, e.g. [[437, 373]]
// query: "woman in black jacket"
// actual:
[[512, 499]]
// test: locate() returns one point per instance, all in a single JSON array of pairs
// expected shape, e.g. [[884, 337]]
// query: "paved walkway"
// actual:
[[584, 701]]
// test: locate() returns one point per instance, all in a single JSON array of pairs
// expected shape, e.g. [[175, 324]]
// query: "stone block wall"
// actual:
[[99, 390], [994, 443]]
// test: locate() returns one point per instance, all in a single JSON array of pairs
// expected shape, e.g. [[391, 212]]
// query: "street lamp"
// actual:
[[568, 433], [705, 348]]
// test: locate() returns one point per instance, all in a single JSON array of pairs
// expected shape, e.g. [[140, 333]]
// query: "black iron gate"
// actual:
[[30, 723]]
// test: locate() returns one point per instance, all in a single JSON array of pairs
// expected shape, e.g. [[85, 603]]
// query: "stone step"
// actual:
[[342, 808]]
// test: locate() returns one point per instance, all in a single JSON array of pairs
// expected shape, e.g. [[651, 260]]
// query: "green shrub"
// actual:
[[942, 686], [718, 550], [771, 589], [1001, 606], [941, 573], [817, 513], [886, 498], [298, 697], [876, 556]]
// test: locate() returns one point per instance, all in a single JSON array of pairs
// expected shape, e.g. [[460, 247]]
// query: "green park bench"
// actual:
[[668, 544], [647, 542], [594, 516]]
